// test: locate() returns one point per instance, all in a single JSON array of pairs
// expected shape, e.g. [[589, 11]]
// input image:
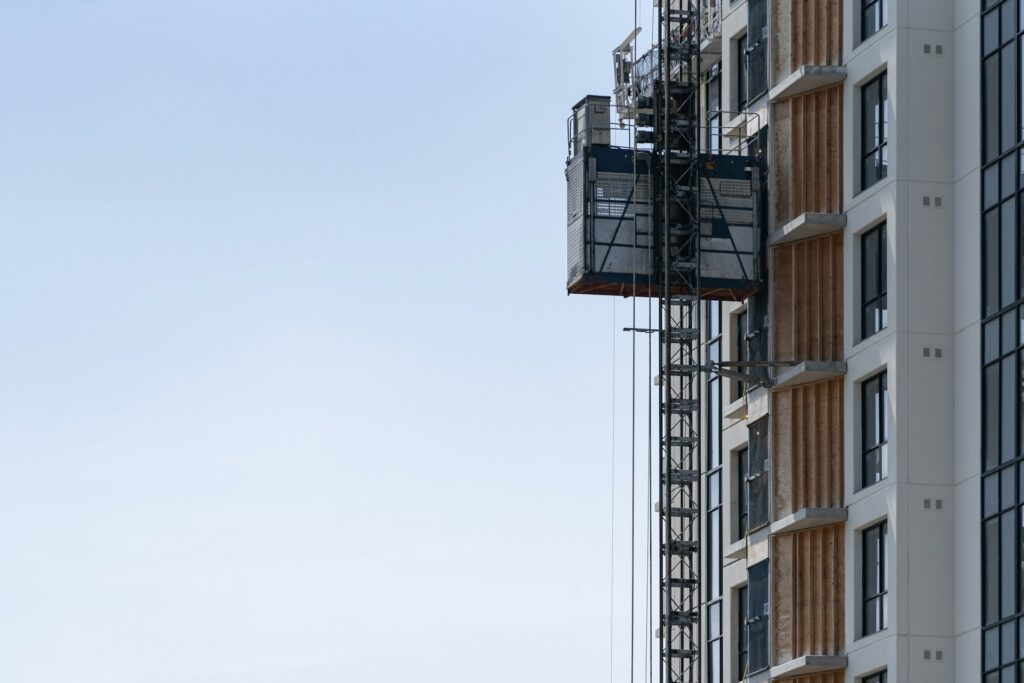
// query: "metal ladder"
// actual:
[[677, 222]]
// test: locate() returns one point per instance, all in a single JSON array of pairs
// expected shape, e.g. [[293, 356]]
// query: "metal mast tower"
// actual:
[[678, 221]]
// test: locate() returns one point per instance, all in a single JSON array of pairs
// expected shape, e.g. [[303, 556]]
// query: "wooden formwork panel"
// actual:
[[807, 169], [808, 610], [807, 304], [806, 32], [807, 447]]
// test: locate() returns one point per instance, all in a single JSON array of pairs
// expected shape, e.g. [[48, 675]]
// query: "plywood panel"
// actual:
[[807, 601], [807, 139], [806, 32], [807, 305], [807, 447]]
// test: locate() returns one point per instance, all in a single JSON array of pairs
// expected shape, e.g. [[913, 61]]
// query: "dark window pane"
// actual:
[[1008, 250], [1009, 20], [757, 581], [1009, 332], [1008, 173], [741, 493], [990, 30], [990, 495], [1007, 488], [990, 106], [991, 341], [991, 265], [990, 584], [757, 44], [1008, 563], [991, 186], [991, 413], [1008, 97], [1009, 637], [757, 489], [1008, 409]]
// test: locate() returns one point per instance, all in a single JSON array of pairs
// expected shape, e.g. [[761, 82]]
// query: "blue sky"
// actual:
[[289, 386]]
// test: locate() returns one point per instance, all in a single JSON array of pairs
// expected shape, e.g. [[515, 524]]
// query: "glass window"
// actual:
[[757, 480], [741, 355], [874, 430], [742, 508], [715, 642], [757, 620], [874, 290], [990, 106], [714, 105], [741, 73], [1008, 97], [874, 579], [757, 49], [874, 131], [879, 677], [874, 15], [742, 641]]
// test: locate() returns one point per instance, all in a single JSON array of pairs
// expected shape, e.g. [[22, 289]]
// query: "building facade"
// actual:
[[865, 507]]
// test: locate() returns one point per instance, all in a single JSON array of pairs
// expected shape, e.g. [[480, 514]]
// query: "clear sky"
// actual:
[[290, 389]]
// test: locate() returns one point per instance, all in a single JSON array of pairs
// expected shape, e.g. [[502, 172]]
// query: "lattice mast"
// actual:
[[678, 220]]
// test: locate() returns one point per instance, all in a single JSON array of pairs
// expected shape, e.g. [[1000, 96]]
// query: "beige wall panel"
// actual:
[[807, 602], [806, 175], [807, 306]]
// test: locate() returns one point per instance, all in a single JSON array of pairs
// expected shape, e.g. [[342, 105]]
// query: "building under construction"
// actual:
[[822, 198]]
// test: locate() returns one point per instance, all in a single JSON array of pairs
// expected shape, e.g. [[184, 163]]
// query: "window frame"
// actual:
[[880, 300], [714, 77], [877, 677], [742, 636], [878, 151], [742, 73], [881, 445], [869, 6], [742, 503], [741, 350], [880, 620]]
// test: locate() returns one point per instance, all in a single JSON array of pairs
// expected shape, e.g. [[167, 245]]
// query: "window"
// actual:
[[874, 15], [879, 677], [715, 642], [742, 507], [713, 95], [874, 131], [741, 73], [757, 49], [757, 619], [757, 480], [874, 431], [874, 580], [741, 354], [742, 641], [873, 289]]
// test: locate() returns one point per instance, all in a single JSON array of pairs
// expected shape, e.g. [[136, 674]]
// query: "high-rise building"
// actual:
[[862, 508]]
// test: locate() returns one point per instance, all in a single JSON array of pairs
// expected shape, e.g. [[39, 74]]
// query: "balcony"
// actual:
[[808, 665], [808, 372], [807, 78], [806, 226]]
